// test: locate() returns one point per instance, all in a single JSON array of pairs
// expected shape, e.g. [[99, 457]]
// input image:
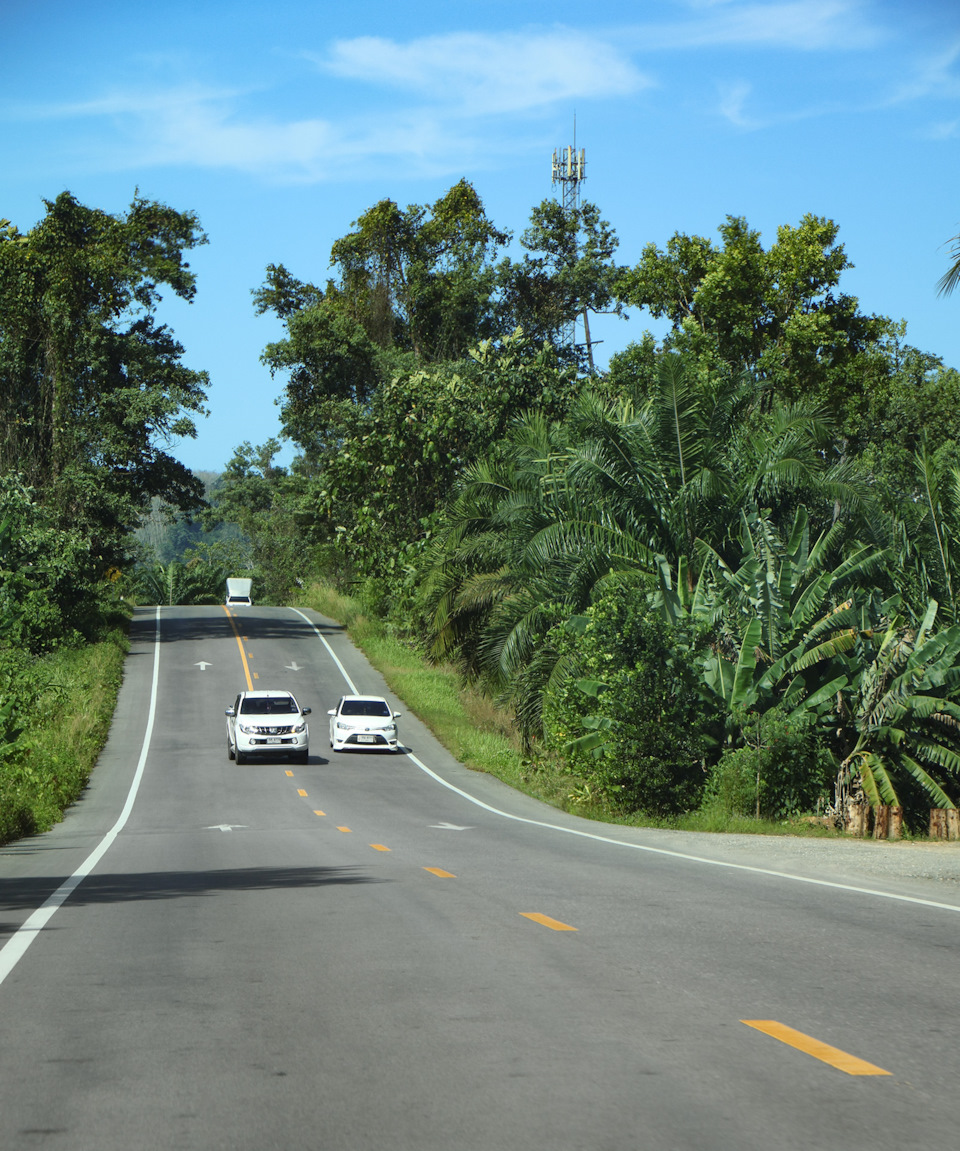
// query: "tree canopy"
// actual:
[[92, 387]]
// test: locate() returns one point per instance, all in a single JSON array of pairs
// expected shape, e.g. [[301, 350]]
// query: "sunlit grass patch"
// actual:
[[68, 702]]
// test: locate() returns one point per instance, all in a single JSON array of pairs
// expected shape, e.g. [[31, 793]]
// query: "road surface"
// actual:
[[391, 953]]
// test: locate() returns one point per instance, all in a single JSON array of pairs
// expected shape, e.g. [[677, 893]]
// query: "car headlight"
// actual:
[[301, 727], [341, 726], [246, 728]]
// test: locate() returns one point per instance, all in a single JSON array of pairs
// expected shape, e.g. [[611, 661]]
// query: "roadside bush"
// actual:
[[55, 714], [48, 586], [784, 769], [649, 727]]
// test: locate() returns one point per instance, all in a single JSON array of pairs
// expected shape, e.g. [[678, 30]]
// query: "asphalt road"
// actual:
[[391, 953]]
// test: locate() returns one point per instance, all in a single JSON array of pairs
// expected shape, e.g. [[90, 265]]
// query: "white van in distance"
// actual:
[[238, 592]]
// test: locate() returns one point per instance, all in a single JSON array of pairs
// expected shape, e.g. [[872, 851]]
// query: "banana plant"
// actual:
[[902, 714], [787, 629]]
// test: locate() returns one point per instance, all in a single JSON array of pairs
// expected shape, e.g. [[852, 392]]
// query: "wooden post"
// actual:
[[944, 823], [881, 821], [857, 820], [895, 830]]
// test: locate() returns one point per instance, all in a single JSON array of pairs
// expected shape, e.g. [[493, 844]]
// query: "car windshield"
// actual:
[[375, 707], [282, 706]]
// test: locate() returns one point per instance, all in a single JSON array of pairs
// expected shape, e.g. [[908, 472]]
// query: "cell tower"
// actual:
[[569, 170]]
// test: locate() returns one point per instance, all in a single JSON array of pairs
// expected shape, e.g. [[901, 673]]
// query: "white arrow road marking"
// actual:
[[450, 827], [293, 666], [203, 665], [224, 826]]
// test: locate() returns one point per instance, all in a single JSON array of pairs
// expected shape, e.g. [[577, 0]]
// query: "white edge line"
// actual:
[[644, 847], [15, 947]]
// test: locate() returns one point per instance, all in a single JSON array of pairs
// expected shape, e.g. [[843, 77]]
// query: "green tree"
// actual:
[[777, 312], [612, 489], [567, 274], [651, 728], [270, 506], [91, 387], [422, 277]]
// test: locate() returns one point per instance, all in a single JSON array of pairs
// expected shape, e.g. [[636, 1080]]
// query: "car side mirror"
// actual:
[[229, 711], [397, 714], [305, 710], [333, 711]]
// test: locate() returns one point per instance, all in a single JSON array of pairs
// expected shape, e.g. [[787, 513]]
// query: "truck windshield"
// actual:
[[283, 706]]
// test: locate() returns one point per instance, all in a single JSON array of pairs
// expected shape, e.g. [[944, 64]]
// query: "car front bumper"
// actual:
[[365, 740], [286, 744]]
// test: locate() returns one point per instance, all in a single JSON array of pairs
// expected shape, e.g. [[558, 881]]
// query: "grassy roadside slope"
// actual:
[[468, 725], [67, 699]]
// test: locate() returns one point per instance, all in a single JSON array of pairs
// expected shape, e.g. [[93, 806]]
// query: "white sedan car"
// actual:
[[265, 723], [363, 721]]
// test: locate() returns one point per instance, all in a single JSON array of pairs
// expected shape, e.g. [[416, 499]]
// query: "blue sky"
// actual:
[[280, 123]]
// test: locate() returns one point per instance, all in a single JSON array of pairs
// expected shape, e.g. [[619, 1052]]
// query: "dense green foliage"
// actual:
[[91, 388], [91, 392], [55, 713], [715, 572], [721, 574]]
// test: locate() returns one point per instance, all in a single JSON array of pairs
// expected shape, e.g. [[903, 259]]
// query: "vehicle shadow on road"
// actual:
[[21, 893]]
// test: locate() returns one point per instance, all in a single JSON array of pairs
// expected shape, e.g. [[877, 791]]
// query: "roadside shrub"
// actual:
[[649, 727], [783, 769]]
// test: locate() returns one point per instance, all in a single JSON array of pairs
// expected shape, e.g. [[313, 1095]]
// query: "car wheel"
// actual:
[[239, 756], [229, 750], [302, 757]]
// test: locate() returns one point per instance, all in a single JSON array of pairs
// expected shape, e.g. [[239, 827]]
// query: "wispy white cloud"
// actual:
[[945, 130], [732, 105], [438, 103], [205, 128], [936, 76], [798, 25], [491, 74]]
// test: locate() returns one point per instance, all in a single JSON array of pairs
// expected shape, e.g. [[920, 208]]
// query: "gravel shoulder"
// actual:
[[913, 868]]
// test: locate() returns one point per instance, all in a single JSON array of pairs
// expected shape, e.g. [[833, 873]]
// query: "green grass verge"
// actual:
[[481, 737], [74, 694]]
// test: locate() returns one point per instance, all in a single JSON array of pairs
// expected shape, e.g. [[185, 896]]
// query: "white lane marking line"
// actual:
[[644, 847], [16, 946], [333, 654], [203, 664]]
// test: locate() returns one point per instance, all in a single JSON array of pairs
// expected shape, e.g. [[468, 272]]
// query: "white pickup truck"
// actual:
[[238, 592]]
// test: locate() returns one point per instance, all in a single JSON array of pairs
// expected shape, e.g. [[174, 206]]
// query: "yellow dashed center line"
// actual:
[[319, 813], [379, 847], [822, 1051], [300, 791], [553, 924], [290, 773], [439, 871], [343, 829]]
